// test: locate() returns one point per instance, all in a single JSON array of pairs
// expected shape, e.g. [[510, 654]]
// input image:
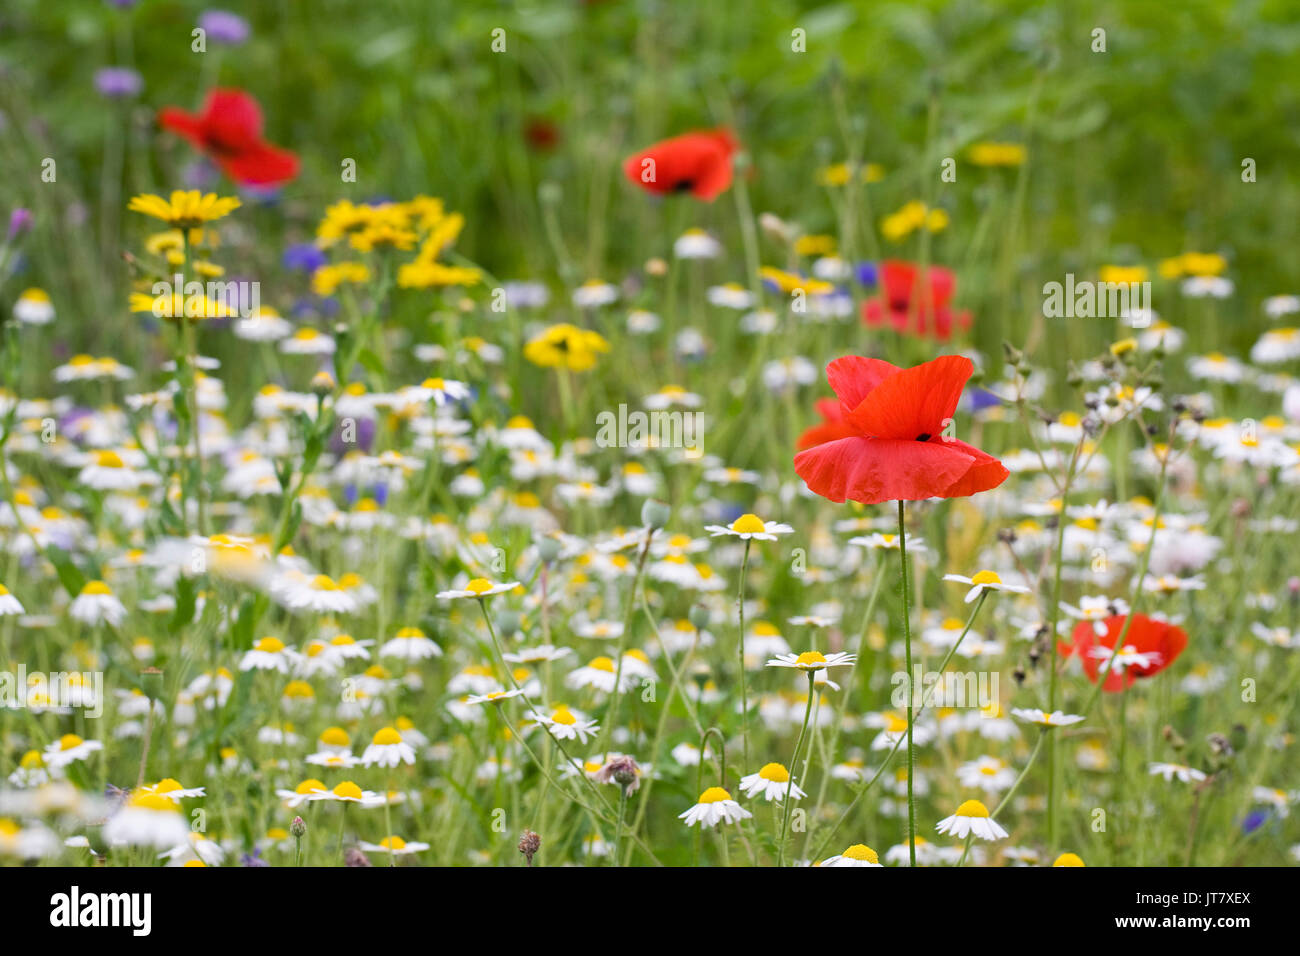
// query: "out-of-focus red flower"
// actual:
[[541, 134], [229, 131], [912, 309], [889, 442], [832, 425], [1159, 639], [698, 163]]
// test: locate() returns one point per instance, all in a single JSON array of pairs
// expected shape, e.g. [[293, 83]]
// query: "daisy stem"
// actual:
[[794, 761], [628, 610], [970, 837], [598, 814], [1023, 771], [744, 695], [911, 715], [925, 702]]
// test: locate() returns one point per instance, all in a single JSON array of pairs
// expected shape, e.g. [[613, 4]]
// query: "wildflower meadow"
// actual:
[[638, 434]]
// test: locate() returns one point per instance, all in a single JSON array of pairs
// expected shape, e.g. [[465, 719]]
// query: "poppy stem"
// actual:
[[907, 651]]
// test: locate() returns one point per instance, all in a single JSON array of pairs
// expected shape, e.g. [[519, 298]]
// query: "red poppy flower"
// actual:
[[229, 131], [541, 134], [909, 308], [698, 163], [889, 443], [1145, 635], [832, 426]]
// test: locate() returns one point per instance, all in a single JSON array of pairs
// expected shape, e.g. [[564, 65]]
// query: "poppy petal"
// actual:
[[872, 470], [852, 377], [261, 165], [232, 119], [914, 402]]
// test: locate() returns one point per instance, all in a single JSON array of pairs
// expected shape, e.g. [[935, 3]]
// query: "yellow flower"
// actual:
[[914, 215], [185, 209], [815, 245], [566, 346], [383, 234], [1193, 264], [426, 274], [1123, 275], [840, 174], [172, 306], [996, 154], [327, 279], [788, 282], [343, 219]]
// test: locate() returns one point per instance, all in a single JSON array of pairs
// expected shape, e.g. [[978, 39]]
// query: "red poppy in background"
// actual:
[[831, 427], [541, 134], [888, 442], [698, 163], [229, 131], [1145, 635], [911, 309]]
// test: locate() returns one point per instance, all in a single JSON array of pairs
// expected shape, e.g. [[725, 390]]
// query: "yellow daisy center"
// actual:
[[810, 657], [479, 586], [387, 737], [860, 851], [972, 808], [714, 795], [774, 772], [748, 524], [335, 737], [986, 577]]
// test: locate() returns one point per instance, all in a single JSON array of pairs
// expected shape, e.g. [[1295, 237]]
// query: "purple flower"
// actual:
[[224, 27], [20, 220], [118, 82], [304, 256]]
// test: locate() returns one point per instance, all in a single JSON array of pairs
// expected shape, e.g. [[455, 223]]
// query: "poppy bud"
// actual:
[[699, 616], [548, 548], [655, 514]]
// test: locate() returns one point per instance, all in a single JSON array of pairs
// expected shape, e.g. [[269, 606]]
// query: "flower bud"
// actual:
[[655, 514]]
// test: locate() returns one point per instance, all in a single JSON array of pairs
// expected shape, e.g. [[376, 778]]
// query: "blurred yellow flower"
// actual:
[[788, 282], [1123, 275], [1193, 264], [327, 279], [841, 174], [996, 154], [815, 245], [566, 346], [914, 215]]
